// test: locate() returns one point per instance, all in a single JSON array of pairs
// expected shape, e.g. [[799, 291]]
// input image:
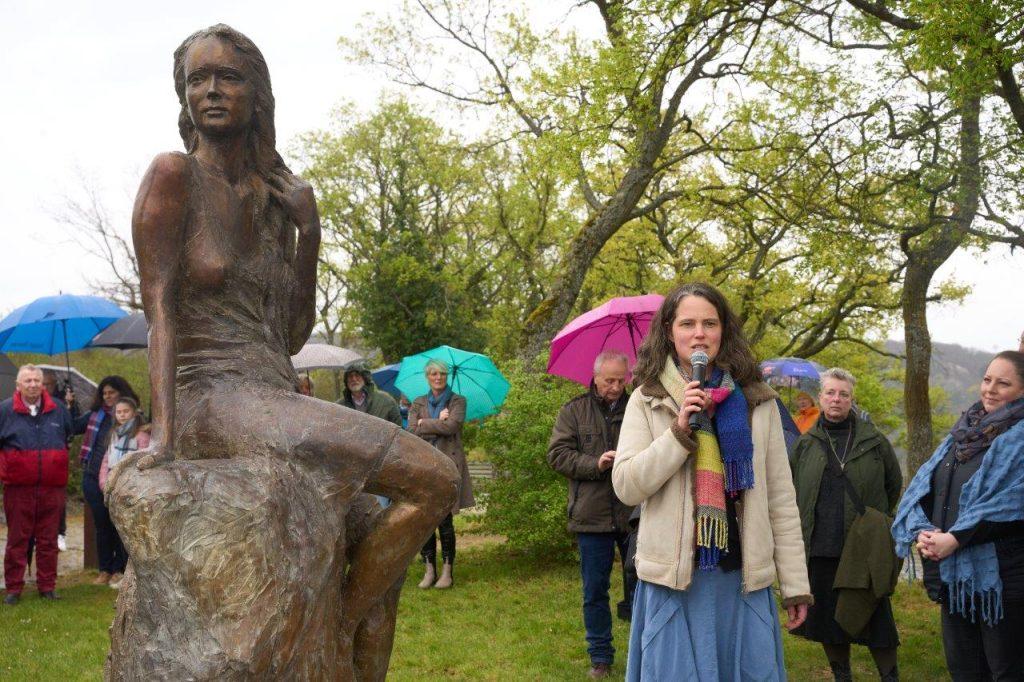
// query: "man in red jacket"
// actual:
[[34, 431]]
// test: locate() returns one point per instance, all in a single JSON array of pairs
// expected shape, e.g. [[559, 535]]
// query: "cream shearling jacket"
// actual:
[[653, 468]]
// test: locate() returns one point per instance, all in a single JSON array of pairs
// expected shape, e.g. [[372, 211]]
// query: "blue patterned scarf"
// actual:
[[994, 493], [732, 427], [976, 429], [436, 403]]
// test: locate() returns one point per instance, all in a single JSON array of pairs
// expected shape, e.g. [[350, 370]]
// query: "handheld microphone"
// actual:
[[699, 362]]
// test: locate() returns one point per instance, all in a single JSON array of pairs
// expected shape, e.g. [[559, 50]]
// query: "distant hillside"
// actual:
[[956, 369]]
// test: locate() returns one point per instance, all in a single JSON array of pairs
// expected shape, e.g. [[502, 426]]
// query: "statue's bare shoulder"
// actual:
[[168, 172], [162, 203]]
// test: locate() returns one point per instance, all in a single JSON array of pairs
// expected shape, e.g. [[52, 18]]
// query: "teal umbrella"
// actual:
[[471, 375]]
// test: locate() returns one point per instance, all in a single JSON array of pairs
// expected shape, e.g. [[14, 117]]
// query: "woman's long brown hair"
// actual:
[[734, 354]]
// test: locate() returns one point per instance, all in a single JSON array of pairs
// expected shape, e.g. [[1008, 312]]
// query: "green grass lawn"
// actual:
[[508, 617]]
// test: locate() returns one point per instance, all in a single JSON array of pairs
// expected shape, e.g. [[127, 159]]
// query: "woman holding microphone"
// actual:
[[719, 522]]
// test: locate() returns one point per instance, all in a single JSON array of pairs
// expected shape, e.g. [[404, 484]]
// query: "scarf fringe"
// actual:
[[739, 475], [708, 558], [712, 537], [965, 600]]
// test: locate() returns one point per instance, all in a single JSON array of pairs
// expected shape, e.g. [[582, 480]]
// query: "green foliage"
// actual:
[[527, 499], [406, 304], [398, 200], [943, 416]]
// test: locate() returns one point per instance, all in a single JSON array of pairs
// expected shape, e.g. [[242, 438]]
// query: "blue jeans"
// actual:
[[597, 555]]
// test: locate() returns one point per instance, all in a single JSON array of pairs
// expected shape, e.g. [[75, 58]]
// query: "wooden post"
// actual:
[[89, 559]]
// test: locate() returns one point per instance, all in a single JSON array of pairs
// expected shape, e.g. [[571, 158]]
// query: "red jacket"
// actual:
[[33, 450]]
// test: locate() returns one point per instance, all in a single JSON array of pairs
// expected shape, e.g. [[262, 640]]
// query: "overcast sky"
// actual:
[[88, 94]]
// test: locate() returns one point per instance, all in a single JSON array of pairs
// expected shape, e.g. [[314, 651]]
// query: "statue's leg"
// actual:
[[423, 486], [376, 634], [375, 638], [355, 451]]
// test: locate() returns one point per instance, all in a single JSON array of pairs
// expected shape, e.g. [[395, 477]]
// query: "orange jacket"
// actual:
[[806, 418]]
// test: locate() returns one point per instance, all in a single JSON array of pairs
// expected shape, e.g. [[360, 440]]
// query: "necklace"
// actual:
[[846, 450]]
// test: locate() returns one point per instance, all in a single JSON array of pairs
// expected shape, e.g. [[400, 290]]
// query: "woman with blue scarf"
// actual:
[[437, 418], [965, 511], [719, 524]]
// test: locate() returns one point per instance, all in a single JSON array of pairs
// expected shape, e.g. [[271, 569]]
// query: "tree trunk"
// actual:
[[916, 403], [552, 313], [923, 261]]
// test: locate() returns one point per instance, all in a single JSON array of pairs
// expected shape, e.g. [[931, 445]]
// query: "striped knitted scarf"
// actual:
[[92, 430], [724, 461]]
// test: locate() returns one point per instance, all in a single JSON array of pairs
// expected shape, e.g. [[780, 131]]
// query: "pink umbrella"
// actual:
[[620, 324]]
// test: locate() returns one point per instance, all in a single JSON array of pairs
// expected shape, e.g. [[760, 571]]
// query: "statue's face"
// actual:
[[220, 96]]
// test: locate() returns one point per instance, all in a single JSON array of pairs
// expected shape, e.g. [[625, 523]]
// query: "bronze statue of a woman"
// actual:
[[240, 517]]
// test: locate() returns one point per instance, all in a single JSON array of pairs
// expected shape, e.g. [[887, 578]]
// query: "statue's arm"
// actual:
[[304, 297], [296, 195], [158, 234]]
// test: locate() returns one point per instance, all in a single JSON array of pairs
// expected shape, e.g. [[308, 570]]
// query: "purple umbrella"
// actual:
[[620, 324]]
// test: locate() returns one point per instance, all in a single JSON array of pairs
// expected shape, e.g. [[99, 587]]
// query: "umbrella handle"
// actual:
[[67, 356]]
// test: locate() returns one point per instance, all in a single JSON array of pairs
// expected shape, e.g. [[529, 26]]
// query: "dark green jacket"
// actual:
[[867, 572], [380, 405], [871, 466]]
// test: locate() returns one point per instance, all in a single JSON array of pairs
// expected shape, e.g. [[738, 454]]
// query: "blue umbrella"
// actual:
[[57, 324], [471, 375], [791, 367], [793, 373], [384, 379]]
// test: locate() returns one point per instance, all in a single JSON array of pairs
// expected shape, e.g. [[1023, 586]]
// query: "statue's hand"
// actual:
[[296, 195], [141, 459]]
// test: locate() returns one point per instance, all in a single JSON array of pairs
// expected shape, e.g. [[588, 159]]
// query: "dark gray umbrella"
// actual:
[[80, 384], [8, 375], [127, 333]]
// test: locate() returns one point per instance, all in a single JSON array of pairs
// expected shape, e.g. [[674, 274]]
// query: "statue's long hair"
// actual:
[[734, 354], [261, 150]]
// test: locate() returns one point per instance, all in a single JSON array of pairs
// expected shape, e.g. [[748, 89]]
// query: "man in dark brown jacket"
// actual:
[[582, 449]]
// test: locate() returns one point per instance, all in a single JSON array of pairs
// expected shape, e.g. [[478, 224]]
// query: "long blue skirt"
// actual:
[[711, 632]]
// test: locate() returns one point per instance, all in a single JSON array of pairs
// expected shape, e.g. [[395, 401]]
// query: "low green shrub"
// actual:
[[526, 501]]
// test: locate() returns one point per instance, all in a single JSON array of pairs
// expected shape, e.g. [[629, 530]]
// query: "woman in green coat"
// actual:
[[841, 441]]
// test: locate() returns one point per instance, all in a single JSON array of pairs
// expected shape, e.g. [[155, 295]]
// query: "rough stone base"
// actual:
[[236, 573]]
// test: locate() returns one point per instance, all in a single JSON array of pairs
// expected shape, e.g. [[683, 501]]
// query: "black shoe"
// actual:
[[11, 598], [624, 610], [51, 595], [891, 676], [841, 672]]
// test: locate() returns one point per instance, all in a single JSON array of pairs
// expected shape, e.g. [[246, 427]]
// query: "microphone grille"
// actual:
[[699, 358]]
